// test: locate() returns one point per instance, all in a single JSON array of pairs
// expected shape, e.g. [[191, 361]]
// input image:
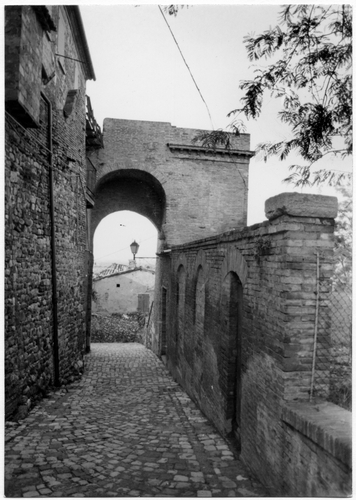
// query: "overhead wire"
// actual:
[[185, 62], [121, 249]]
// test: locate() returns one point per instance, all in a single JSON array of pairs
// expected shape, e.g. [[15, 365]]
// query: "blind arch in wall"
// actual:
[[199, 316], [180, 304], [231, 311]]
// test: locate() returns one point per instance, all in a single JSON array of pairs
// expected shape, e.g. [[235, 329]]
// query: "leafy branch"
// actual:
[[312, 79]]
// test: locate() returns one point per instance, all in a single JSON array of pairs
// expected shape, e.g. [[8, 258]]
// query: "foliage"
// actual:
[[220, 137], [342, 278], [172, 10], [311, 50], [262, 247], [94, 295]]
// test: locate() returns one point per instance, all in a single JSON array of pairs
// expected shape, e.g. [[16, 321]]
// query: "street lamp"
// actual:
[[134, 249]]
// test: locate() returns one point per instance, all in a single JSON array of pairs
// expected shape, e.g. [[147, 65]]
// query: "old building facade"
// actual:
[[124, 292], [47, 64]]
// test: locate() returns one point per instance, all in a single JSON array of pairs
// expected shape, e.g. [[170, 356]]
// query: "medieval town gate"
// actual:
[[187, 191]]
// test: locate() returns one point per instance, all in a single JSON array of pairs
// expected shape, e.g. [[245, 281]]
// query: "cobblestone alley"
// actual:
[[125, 429]]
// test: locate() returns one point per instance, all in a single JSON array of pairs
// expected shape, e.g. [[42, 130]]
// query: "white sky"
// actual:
[[140, 76]]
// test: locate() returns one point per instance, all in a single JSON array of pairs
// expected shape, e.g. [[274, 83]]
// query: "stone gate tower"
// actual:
[[155, 169]]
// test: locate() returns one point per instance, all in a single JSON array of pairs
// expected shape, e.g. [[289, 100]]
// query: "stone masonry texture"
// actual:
[[29, 370], [126, 429], [23, 74], [118, 328]]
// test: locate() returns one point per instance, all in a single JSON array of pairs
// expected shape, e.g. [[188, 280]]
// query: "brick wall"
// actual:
[[156, 170], [317, 450], [28, 257], [255, 352]]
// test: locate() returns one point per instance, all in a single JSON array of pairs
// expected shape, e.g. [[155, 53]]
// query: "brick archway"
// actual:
[[129, 189], [197, 181]]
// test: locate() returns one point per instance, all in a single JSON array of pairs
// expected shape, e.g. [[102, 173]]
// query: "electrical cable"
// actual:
[[185, 62]]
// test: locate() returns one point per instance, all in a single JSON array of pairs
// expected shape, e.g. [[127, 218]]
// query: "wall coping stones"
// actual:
[[326, 424], [227, 236], [206, 150], [301, 205]]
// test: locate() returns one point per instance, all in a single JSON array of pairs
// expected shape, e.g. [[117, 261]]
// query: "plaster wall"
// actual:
[[112, 298]]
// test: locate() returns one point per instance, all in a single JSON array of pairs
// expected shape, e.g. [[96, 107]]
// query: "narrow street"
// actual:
[[125, 429]]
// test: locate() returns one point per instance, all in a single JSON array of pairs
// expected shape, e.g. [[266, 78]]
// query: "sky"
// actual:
[[140, 75], [115, 234]]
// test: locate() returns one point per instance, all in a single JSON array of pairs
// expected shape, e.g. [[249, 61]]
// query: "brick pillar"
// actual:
[[305, 225]]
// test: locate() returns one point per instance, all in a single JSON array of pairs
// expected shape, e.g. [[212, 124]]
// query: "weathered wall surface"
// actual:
[[180, 187], [241, 310], [317, 450], [119, 293], [28, 261], [23, 74]]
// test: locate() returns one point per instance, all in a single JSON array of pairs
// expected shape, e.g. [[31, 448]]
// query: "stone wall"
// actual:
[[29, 344], [118, 328], [23, 67], [252, 352]]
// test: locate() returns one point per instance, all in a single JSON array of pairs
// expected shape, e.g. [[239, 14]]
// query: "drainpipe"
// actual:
[[53, 247]]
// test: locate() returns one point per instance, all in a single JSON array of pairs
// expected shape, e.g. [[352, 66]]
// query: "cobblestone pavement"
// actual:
[[125, 429]]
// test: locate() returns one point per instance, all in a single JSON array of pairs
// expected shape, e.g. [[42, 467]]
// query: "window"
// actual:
[[61, 40], [76, 76]]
